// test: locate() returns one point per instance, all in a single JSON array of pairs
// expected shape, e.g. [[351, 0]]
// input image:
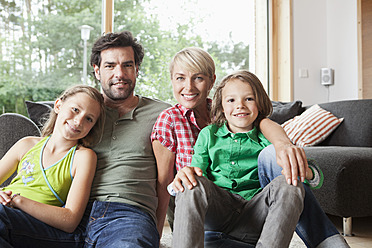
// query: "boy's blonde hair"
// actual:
[[263, 101], [95, 134], [195, 60]]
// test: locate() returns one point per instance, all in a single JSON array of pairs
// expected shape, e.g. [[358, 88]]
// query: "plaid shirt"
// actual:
[[177, 130]]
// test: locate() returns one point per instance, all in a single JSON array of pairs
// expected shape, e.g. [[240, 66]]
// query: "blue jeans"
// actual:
[[314, 226], [19, 229], [113, 224]]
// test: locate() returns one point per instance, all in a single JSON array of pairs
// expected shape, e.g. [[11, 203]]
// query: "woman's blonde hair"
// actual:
[[95, 134], [263, 101], [194, 59]]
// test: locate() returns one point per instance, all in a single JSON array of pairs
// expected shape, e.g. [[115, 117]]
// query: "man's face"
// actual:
[[117, 73]]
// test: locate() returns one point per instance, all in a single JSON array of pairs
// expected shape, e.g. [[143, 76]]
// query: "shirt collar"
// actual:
[[185, 111], [224, 131], [130, 114]]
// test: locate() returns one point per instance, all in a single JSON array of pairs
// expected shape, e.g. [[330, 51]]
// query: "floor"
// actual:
[[362, 231]]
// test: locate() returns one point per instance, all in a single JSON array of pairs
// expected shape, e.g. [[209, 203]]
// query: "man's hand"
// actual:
[[186, 176], [294, 163]]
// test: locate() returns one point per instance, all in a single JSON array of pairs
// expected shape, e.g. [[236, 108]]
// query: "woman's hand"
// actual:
[[294, 163], [186, 176]]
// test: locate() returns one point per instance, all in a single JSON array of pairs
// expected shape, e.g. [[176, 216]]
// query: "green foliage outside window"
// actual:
[[41, 51]]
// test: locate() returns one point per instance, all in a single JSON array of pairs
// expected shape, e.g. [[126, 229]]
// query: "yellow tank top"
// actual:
[[50, 185]]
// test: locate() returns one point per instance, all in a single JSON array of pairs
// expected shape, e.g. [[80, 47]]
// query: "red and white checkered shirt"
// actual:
[[177, 130]]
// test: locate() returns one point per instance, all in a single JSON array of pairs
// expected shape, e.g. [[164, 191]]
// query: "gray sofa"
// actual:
[[345, 157]]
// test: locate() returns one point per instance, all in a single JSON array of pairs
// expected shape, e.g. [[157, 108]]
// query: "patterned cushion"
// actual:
[[311, 127]]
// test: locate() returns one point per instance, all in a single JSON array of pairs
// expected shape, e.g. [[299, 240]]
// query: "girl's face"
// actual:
[[239, 106], [190, 89], [76, 116]]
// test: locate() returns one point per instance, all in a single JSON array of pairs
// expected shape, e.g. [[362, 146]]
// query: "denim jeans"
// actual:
[[314, 226], [19, 229], [119, 225], [267, 220]]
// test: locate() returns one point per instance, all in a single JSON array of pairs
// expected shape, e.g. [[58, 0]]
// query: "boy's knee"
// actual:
[[198, 190], [289, 192]]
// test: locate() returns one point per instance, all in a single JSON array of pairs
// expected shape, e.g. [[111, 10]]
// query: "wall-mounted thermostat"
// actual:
[[326, 76]]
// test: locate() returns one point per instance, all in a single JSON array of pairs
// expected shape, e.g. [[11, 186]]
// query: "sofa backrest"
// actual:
[[356, 128], [13, 127]]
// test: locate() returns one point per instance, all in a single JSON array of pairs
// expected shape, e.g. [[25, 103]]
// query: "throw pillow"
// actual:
[[311, 127], [283, 111], [38, 112]]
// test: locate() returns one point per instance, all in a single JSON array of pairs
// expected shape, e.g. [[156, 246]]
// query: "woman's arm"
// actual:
[[165, 160], [290, 157], [67, 218]]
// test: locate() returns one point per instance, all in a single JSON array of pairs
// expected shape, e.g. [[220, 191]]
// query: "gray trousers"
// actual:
[[267, 220]]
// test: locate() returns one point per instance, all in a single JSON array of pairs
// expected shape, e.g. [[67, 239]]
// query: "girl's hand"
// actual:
[[186, 176], [5, 197]]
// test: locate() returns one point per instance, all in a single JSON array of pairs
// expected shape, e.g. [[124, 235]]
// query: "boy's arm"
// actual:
[[290, 157], [199, 164]]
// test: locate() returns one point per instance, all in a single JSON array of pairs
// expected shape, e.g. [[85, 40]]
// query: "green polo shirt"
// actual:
[[230, 160]]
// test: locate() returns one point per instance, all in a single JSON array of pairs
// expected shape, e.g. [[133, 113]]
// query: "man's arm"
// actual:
[[290, 157]]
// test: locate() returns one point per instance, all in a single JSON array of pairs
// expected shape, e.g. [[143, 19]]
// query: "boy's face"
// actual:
[[239, 106], [190, 89]]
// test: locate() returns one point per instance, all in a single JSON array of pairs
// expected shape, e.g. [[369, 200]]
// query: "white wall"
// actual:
[[325, 35]]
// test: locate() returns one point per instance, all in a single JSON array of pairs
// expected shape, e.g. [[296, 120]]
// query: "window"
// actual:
[[42, 51]]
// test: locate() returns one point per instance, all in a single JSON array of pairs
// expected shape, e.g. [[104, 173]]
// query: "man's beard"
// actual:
[[121, 94]]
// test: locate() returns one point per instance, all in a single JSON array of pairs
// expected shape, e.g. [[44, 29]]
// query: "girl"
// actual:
[[54, 172], [228, 198]]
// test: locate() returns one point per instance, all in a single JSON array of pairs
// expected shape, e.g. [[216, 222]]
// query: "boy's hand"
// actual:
[[186, 176]]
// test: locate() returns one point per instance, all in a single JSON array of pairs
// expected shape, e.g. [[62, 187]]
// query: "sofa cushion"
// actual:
[[311, 127], [38, 112], [355, 130], [283, 111]]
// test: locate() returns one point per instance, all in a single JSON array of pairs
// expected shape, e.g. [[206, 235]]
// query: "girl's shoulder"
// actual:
[[29, 141], [82, 150], [85, 158], [84, 153], [23, 145]]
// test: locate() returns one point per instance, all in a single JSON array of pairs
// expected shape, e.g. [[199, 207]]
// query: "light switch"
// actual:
[[303, 73]]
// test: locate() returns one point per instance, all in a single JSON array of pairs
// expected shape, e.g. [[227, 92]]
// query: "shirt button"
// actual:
[[114, 137], [236, 140], [232, 162]]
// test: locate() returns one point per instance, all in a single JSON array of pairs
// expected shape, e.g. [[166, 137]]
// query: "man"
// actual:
[[124, 188]]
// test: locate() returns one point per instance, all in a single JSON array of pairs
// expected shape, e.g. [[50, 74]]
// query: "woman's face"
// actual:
[[190, 89]]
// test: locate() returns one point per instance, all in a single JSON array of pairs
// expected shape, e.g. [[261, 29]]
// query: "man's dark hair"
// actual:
[[110, 40]]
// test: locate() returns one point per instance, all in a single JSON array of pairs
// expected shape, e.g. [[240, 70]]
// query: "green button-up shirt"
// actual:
[[230, 160]]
